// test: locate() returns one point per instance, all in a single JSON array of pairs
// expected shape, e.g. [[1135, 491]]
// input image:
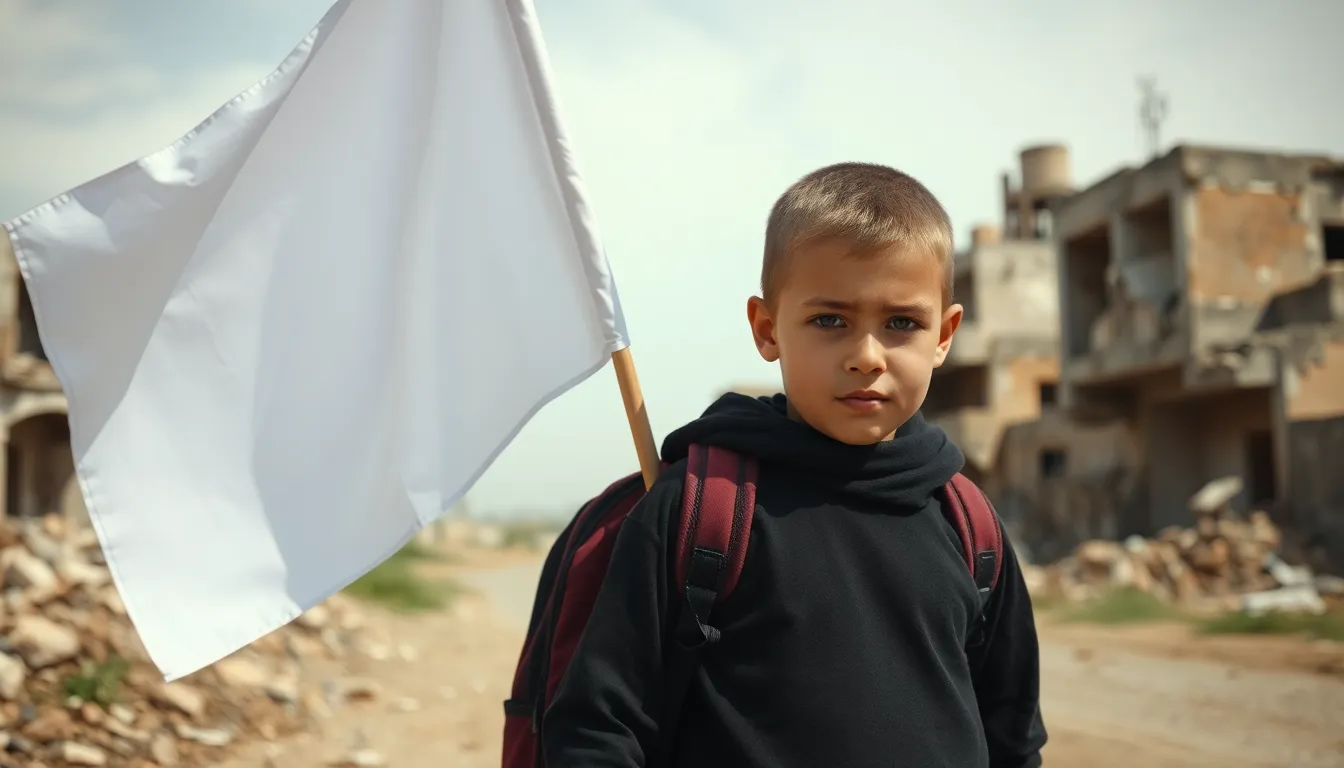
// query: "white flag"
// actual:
[[300, 333]]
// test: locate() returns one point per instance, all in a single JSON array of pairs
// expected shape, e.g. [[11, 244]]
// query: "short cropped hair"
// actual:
[[870, 206]]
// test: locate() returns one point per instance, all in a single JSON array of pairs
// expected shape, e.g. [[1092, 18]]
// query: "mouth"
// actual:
[[864, 399], [864, 394]]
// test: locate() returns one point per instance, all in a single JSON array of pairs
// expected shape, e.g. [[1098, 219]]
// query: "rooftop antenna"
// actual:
[[1152, 112]]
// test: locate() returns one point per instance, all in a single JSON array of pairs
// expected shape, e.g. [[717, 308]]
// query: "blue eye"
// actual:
[[828, 321]]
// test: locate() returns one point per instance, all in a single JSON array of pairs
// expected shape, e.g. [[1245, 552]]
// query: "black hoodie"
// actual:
[[844, 643]]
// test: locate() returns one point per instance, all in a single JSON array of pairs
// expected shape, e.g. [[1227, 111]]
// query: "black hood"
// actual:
[[904, 471]]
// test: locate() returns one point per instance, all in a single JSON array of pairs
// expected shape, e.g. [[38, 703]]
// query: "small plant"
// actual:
[[527, 534], [1323, 627], [1122, 606], [414, 550], [395, 583], [1045, 603], [99, 683]]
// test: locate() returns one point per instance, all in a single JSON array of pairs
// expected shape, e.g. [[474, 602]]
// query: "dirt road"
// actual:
[[1108, 706], [1148, 696]]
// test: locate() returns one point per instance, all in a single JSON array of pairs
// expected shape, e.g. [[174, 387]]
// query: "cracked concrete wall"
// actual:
[[1123, 285], [1087, 487], [1085, 265], [1249, 246], [962, 386], [1014, 385], [1183, 285], [1016, 289], [11, 284], [41, 470], [37, 474], [1190, 248], [23, 361], [1327, 197], [1186, 438], [1259, 219], [1018, 384], [1316, 391], [1189, 441], [1146, 242], [1008, 290], [1314, 448], [1313, 396], [1005, 349], [1317, 304]]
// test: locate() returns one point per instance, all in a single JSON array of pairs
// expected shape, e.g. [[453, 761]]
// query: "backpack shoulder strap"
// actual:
[[972, 514], [716, 512]]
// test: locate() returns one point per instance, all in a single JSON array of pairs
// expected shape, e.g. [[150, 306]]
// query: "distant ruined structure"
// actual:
[[38, 473]]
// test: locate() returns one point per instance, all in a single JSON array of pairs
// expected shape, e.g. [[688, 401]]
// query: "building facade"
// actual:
[[1003, 366], [1201, 304]]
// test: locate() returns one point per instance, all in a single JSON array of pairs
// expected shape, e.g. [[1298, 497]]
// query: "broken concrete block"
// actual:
[[1215, 495], [1297, 599]]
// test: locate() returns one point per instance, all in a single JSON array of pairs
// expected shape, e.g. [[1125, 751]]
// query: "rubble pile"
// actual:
[[1223, 563], [77, 689]]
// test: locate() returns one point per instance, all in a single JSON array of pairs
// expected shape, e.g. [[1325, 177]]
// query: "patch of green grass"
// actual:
[[526, 534], [396, 584], [1131, 606], [414, 550], [1121, 606], [99, 683], [1043, 604], [1323, 627]]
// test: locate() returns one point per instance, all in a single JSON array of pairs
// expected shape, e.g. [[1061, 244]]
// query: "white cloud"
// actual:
[[53, 154], [77, 99], [76, 102], [40, 30], [76, 91], [61, 60]]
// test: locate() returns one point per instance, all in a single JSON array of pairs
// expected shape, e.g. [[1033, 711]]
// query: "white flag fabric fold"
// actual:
[[300, 333]]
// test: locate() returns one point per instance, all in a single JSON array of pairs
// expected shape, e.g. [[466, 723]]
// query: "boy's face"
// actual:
[[857, 336]]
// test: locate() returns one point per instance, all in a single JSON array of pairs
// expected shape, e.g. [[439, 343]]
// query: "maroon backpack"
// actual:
[[715, 523]]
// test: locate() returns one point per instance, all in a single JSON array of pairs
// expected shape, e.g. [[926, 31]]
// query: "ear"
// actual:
[[762, 329], [946, 330]]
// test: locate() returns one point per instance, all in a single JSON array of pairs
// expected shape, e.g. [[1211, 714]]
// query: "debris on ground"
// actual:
[[77, 689], [1224, 562]]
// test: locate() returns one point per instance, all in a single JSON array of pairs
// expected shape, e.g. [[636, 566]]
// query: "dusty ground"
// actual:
[[1149, 696], [1155, 696], [441, 708]]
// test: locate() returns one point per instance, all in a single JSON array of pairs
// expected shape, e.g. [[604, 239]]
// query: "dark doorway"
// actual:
[[1261, 488], [1054, 463], [1333, 242], [13, 470], [1049, 394]]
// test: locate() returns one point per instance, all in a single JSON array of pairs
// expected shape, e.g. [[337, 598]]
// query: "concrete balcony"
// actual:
[[1126, 340], [1121, 363]]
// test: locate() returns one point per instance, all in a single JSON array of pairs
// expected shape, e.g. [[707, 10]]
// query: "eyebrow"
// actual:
[[913, 308]]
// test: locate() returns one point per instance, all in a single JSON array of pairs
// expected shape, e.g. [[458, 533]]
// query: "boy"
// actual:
[[845, 642]]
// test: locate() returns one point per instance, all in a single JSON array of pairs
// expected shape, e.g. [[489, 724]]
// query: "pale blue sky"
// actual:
[[690, 116]]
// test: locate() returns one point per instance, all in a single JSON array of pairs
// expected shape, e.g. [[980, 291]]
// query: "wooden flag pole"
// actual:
[[645, 446]]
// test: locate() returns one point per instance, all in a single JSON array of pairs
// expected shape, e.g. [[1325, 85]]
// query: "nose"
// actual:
[[867, 357]]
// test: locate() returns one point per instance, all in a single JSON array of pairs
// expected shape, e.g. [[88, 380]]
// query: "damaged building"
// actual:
[[38, 473], [1003, 365], [1201, 306]]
